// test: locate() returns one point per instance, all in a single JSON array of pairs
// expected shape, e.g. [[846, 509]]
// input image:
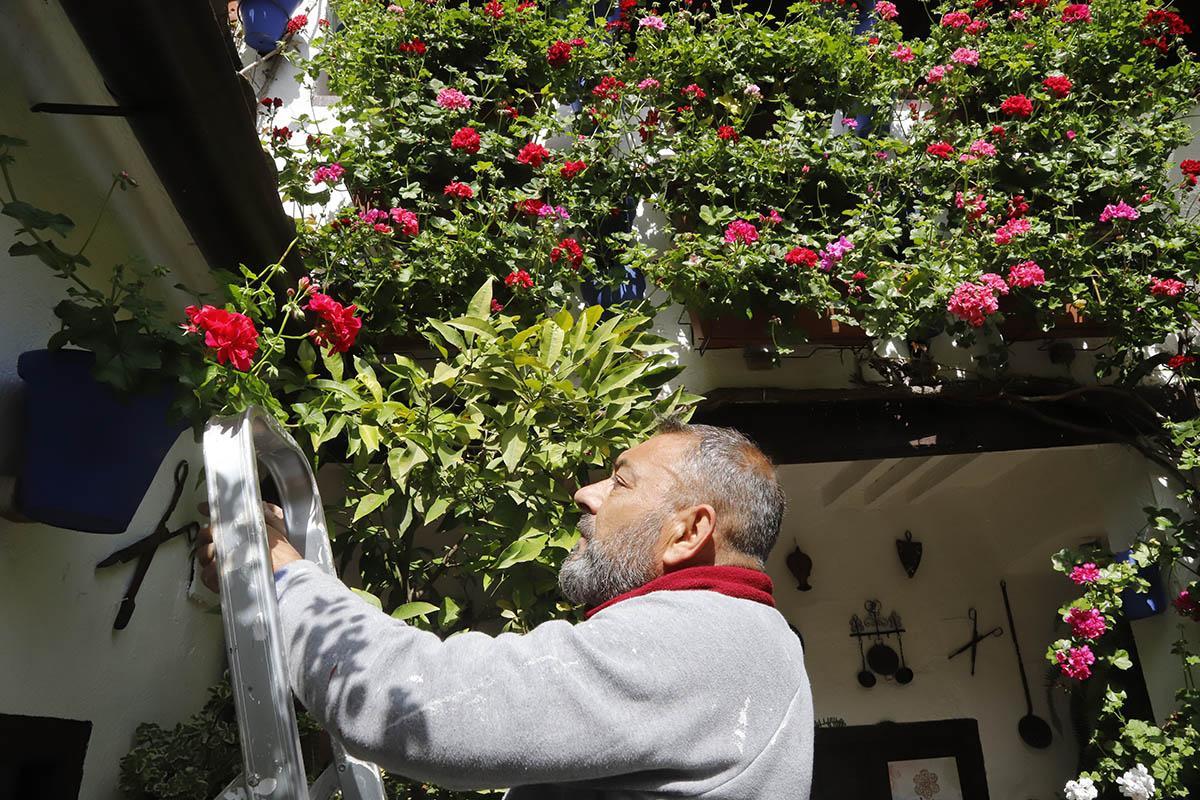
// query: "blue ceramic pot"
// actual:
[[631, 290], [264, 21], [90, 454], [1139, 605]]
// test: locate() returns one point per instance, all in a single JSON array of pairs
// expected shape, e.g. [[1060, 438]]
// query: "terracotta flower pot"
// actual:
[[724, 332], [1020, 325]]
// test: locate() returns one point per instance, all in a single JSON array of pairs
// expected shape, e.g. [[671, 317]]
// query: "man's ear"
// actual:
[[691, 538]]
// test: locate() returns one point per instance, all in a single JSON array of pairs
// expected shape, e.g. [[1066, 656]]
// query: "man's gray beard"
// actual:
[[601, 570]]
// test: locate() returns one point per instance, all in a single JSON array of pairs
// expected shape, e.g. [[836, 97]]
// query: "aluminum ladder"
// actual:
[[235, 448]]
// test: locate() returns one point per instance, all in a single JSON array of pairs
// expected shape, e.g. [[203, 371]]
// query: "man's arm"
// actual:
[[562, 703]]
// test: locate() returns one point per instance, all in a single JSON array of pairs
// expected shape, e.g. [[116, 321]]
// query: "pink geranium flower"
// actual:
[[1121, 210], [1011, 229], [886, 10], [453, 99], [1084, 573], [741, 232], [1026, 275], [965, 55], [903, 53], [1086, 623], [1166, 287], [972, 303], [1076, 662], [1077, 12]]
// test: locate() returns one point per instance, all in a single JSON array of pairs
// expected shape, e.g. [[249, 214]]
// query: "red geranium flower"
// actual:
[[940, 149], [532, 154], [571, 169], [727, 133], [1175, 362], [802, 256], [416, 46], [494, 9], [337, 327], [558, 54], [569, 249], [1018, 105], [1173, 22], [609, 88], [693, 91], [296, 24], [531, 207], [460, 190], [466, 138], [1058, 85], [232, 335], [519, 279]]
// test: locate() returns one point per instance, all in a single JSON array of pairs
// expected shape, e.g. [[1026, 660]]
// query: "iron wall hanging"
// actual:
[[879, 658], [910, 553], [800, 565], [976, 638]]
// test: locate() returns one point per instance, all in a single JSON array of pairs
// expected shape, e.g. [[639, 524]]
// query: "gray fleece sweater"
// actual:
[[670, 694]]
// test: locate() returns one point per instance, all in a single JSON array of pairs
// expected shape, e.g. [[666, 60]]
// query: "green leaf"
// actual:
[[37, 219], [370, 598], [438, 508], [519, 551], [512, 446], [1121, 660], [12, 141], [450, 613], [333, 362], [415, 609], [366, 376], [369, 503], [481, 303], [307, 355], [480, 326], [370, 437]]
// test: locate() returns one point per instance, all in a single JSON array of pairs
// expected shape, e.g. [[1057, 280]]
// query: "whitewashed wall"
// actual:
[[59, 656], [999, 515]]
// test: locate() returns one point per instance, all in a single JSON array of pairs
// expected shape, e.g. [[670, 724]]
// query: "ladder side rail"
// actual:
[[304, 521], [234, 449]]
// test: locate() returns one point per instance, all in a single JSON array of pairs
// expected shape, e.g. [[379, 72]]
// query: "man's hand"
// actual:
[[281, 549]]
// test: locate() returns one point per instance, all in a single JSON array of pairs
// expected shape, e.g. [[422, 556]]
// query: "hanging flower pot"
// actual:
[[724, 332], [264, 22], [630, 290], [1140, 605], [90, 454], [1020, 325]]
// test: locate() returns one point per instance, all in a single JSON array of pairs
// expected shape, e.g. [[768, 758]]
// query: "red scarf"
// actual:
[[748, 584]]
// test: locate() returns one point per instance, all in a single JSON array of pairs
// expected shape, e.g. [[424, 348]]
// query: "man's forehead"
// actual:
[[660, 452]]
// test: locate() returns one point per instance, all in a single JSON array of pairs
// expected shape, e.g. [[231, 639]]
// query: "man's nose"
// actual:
[[591, 497]]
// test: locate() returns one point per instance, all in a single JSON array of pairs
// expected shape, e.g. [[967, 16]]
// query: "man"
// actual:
[[683, 682]]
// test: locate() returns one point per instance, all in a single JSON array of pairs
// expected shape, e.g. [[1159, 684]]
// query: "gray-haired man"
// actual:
[[683, 682]]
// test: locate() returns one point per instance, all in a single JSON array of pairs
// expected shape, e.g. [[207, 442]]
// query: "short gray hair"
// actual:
[[728, 471]]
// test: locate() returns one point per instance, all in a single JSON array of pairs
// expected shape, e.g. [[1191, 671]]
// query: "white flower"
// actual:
[[752, 90], [1082, 789], [1136, 784]]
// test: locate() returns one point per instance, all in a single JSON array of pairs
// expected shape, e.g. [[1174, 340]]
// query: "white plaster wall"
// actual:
[[59, 656], [1001, 515]]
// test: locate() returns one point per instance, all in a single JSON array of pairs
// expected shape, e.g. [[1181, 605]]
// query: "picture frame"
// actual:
[[863, 761]]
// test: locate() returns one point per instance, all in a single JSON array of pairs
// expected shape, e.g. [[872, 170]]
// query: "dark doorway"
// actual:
[[42, 757]]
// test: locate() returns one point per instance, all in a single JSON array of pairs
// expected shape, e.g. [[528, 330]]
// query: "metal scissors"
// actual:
[[976, 638], [144, 548]]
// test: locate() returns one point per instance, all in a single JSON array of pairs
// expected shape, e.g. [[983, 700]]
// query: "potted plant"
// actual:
[[97, 423], [264, 22]]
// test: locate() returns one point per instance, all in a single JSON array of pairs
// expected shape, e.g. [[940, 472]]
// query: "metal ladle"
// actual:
[[1034, 730]]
